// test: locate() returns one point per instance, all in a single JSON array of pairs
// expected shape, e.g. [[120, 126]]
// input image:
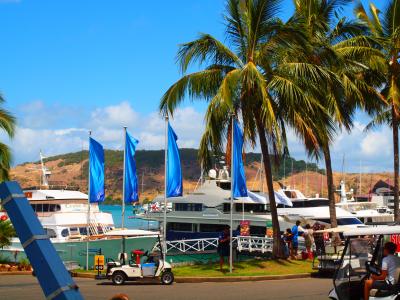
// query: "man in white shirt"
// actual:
[[387, 279]]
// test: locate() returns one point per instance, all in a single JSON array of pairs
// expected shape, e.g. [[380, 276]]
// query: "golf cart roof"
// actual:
[[387, 229], [131, 233]]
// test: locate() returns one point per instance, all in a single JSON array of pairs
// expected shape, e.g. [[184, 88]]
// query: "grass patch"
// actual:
[[246, 268]]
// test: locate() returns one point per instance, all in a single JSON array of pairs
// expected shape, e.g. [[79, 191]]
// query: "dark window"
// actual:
[[83, 230], [308, 203], [348, 221], [225, 185], [257, 208], [180, 226], [188, 207], [227, 207], [50, 233], [45, 207], [65, 232], [342, 221], [212, 227]]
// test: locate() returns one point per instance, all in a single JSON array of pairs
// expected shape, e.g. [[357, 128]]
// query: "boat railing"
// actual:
[[209, 245]]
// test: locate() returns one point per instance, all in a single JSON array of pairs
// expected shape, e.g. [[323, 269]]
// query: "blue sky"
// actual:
[[68, 66]]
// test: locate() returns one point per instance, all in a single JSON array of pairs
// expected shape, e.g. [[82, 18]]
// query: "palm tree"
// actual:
[[385, 32], [339, 47], [6, 233], [7, 123], [248, 79]]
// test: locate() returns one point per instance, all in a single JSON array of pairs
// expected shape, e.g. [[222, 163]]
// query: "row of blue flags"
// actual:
[[174, 186]]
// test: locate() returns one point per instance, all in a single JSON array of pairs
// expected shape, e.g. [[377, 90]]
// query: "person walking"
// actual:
[[295, 239], [309, 240], [223, 247]]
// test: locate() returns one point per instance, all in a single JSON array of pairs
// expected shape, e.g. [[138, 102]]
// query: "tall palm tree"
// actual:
[[246, 78], [7, 124], [339, 47], [385, 32]]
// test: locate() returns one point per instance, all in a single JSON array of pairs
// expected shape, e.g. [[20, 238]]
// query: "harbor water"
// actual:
[[130, 223]]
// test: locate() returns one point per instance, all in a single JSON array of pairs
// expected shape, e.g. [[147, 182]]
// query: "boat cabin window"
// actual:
[[225, 185], [46, 207], [74, 231], [83, 230], [175, 226], [188, 206], [212, 227], [50, 233], [65, 232], [307, 203], [256, 208], [342, 221]]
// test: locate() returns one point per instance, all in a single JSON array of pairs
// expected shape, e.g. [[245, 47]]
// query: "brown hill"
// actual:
[[71, 169]]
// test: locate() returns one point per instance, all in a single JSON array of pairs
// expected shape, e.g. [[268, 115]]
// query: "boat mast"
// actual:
[[45, 172], [88, 213]]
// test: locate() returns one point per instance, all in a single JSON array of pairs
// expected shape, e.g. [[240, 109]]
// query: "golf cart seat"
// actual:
[[385, 293]]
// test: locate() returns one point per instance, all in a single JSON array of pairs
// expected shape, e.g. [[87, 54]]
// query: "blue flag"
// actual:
[[96, 171], [131, 181], [239, 177], [174, 173]]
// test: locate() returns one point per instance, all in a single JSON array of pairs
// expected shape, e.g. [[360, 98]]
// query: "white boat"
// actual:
[[63, 214]]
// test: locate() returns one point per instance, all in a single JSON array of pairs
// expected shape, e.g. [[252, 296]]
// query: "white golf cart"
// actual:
[[142, 265], [362, 256]]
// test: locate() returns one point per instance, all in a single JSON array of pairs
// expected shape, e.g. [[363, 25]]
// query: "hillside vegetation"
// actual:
[[72, 169]]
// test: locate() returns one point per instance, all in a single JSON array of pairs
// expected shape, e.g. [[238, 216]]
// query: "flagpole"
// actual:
[[88, 214], [231, 204], [165, 189], [123, 184]]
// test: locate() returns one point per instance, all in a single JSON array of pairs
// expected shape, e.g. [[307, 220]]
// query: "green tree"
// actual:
[[340, 47], [385, 34], [247, 77], [7, 124], [6, 233]]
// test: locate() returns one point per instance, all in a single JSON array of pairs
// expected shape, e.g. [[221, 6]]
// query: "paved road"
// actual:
[[26, 287]]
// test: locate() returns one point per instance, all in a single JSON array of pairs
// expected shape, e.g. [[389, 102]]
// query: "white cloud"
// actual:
[[54, 135], [106, 124]]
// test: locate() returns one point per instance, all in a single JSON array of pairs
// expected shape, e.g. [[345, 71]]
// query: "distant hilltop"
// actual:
[[72, 169]]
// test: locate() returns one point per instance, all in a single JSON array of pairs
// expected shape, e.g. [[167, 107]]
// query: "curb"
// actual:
[[240, 278], [16, 273], [220, 279]]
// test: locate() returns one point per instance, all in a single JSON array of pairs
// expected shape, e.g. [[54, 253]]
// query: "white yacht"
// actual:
[[206, 211], [347, 212], [370, 212], [63, 214]]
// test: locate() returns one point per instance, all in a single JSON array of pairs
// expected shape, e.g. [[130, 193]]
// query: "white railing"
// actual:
[[243, 243], [254, 244]]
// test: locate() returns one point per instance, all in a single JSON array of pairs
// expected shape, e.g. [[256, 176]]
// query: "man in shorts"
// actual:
[[387, 279]]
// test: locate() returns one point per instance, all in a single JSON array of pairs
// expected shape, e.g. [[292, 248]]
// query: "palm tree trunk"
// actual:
[[331, 191], [277, 250], [395, 127]]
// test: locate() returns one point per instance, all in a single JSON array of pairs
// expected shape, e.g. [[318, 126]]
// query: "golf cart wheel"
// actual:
[[118, 278], [167, 278]]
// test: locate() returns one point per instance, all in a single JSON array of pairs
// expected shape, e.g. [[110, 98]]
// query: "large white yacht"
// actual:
[[64, 215], [206, 211], [348, 212]]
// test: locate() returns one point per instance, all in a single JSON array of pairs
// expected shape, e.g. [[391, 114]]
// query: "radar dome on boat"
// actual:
[[212, 174]]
